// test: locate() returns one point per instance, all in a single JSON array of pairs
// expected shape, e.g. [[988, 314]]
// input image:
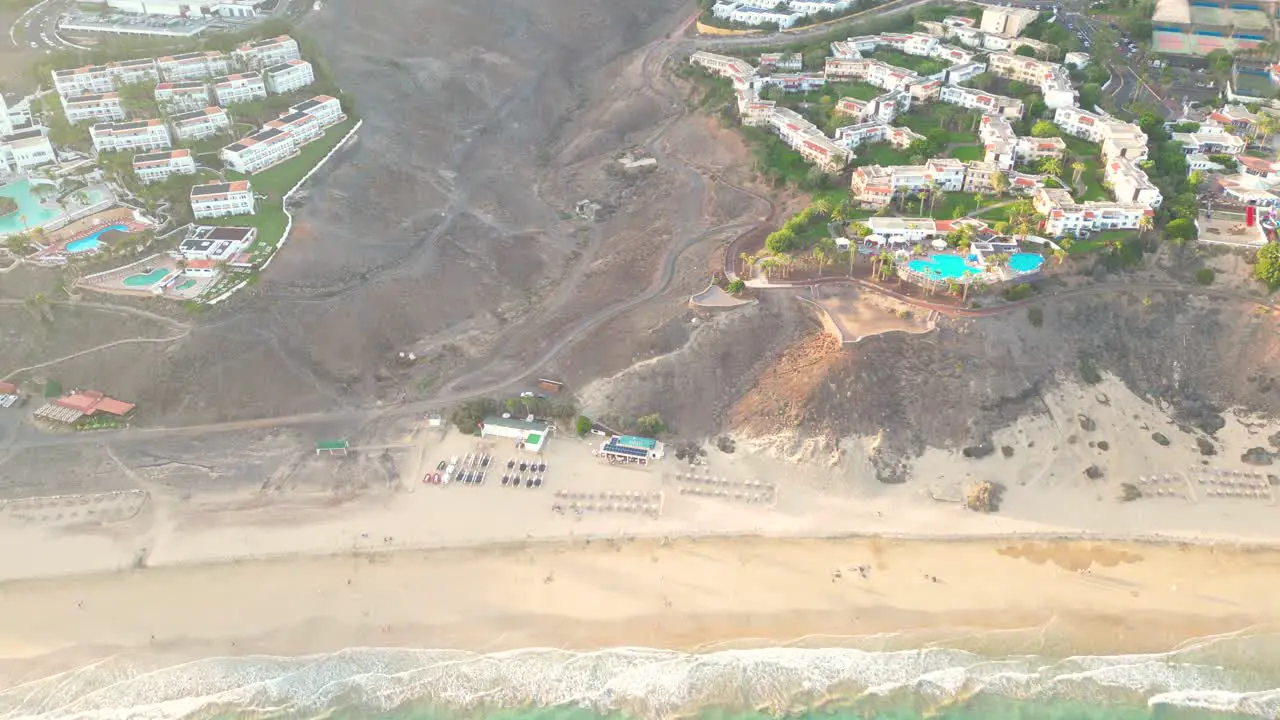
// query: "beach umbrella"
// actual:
[[939, 244]]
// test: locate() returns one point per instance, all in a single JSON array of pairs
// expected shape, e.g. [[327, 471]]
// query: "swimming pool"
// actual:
[[150, 278], [92, 241], [949, 267], [30, 214], [1025, 262]]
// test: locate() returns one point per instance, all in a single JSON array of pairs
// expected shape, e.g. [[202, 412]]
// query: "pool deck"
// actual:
[[113, 281], [56, 250]]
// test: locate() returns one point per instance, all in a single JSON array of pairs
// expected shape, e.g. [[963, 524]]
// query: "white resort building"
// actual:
[[23, 150], [180, 97], [200, 124], [103, 106], [222, 199], [268, 52], [217, 243], [259, 151], [140, 135], [238, 88], [193, 66], [158, 166], [288, 76], [1065, 216]]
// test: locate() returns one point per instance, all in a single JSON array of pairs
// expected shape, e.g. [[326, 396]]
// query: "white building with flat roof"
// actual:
[[23, 150], [1130, 183], [238, 88], [222, 199], [87, 80], [259, 151], [183, 97], [1008, 21], [327, 110], [288, 76], [269, 51], [140, 135], [302, 127], [748, 14], [984, 102], [193, 66], [218, 243], [1052, 79], [103, 106], [158, 166], [132, 72], [1065, 216], [199, 124]]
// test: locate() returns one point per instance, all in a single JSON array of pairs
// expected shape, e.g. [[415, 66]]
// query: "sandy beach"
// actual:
[[819, 557]]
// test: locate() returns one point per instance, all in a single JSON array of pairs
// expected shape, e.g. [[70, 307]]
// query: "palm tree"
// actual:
[[860, 229], [1267, 124], [933, 195], [886, 264], [745, 259], [1077, 169], [1145, 223], [999, 182], [1051, 166], [922, 196], [1060, 255]]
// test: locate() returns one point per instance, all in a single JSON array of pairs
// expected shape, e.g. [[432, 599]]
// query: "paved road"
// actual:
[[36, 28]]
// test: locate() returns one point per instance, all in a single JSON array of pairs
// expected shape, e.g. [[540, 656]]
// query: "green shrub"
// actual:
[[583, 425], [1021, 291], [1089, 373], [1035, 316], [736, 286], [1205, 276]]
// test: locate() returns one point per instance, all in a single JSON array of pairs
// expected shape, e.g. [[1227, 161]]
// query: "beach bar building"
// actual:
[[532, 434], [631, 448]]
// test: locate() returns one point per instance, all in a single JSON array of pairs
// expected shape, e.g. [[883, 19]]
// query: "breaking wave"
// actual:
[[1231, 674]]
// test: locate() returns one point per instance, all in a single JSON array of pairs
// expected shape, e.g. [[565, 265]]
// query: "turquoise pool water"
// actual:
[[1025, 262], [30, 212], [150, 278], [91, 242], [949, 267]]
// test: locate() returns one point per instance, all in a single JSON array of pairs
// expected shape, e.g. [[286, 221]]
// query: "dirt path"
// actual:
[[104, 346]]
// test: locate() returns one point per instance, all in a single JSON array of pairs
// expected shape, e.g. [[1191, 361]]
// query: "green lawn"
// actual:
[[1097, 242], [881, 154], [1089, 154], [924, 120], [969, 152], [269, 218], [897, 58]]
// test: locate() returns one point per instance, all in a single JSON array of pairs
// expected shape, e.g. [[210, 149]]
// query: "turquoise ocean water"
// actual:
[[1235, 676]]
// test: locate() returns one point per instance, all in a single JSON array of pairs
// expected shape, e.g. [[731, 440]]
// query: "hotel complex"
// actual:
[[200, 124], [268, 52], [1122, 145], [238, 88], [142, 135]]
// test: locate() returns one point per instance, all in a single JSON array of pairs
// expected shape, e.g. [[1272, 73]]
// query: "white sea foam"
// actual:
[[639, 681]]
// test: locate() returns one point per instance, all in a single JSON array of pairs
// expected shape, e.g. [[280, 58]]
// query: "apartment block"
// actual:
[[1000, 141], [193, 66], [876, 185], [238, 88], [259, 151], [1130, 183], [268, 52], [1210, 143], [792, 82], [131, 72], [1008, 21], [102, 106], [328, 110], [181, 97], [216, 243], [1034, 149], [88, 80], [790, 62], [200, 124], [158, 166], [740, 71], [749, 14], [141, 135], [852, 136], [1118, 139], [288, 76], [1065, 216], [984, 102], [222, 199], [962, 73], [805, 138], [25, 149], [882, 109], [302, 127], [1053, 79]]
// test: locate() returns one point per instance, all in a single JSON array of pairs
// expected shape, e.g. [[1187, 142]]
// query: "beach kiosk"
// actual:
[[632, 449], [531, 434]]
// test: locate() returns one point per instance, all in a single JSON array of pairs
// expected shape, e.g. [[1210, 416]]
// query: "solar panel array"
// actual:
[[617, 449]]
